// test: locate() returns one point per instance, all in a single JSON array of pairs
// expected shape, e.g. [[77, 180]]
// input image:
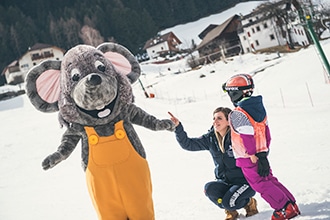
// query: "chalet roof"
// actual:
[[216, 32], [207, 30], [39, 46], [160, 39], [14, 63]]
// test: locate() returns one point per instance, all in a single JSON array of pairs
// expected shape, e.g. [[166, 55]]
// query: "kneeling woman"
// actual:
[[230, 190]]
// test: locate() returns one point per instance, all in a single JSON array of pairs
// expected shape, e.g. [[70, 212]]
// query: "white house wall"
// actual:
[[253, 38], [270, 36], [11, 77], [26, 62], [153, 51], [299, 36]]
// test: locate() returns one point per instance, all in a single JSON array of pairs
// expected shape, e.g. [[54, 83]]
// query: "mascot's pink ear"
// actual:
[[119, 61], [43, 85], [122, 59], [48, 85]]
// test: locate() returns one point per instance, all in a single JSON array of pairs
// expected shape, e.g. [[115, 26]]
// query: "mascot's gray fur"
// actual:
[[88, 88]]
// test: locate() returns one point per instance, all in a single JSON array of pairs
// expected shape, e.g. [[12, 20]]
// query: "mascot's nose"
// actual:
[[94, 80]]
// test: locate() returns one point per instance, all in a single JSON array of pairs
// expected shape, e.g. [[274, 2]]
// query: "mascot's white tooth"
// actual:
[[110, 144], [104, 113], [100, 107]]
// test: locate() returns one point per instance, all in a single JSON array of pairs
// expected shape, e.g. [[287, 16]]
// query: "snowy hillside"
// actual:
[[195, 28], [296, 97]]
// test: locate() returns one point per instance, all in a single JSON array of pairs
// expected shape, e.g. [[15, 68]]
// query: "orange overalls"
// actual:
[[118, 178]]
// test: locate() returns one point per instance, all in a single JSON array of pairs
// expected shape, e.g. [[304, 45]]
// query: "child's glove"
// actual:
[[51, 160], [263, 164]]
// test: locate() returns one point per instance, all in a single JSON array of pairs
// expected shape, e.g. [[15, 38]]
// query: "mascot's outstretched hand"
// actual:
[[167, 124], [51, 160]]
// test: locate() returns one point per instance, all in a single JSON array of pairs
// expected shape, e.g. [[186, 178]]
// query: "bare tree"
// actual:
[[112, 39], [55, 34], [320, 16], [91, 36], [280, 11], [15, 39], [71, 31]]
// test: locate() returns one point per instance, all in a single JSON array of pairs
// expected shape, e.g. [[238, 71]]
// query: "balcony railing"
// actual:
[[41, 56]]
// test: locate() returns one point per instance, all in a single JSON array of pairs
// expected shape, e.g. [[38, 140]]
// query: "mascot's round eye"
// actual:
[[75, 74], [99, 65]]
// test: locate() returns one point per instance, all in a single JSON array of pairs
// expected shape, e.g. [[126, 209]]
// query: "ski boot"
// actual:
[[289, 211]]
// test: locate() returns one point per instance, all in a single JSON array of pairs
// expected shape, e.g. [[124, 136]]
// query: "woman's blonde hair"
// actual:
[[226, 112]]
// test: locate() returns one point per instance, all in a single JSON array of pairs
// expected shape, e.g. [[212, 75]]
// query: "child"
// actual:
[[251, 139], [230, 190]]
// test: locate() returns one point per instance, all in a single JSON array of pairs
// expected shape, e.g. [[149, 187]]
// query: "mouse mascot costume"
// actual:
[[91, 90]]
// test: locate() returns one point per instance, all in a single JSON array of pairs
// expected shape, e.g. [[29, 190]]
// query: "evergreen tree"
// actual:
[[128, 22]]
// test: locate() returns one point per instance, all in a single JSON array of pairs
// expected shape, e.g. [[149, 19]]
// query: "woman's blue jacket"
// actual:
[[225, 163]]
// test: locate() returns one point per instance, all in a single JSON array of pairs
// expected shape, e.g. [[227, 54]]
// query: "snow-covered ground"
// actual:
[[296, 95]]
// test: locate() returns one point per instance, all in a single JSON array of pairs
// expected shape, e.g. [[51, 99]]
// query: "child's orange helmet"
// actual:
[[239, 86]]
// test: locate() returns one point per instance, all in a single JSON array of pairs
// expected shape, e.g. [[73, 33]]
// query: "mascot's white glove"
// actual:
[[52, 160]]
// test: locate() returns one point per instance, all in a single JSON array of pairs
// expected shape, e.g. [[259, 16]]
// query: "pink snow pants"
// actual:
[[270, 189]]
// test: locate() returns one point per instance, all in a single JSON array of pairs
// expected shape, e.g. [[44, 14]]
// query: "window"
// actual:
[[248, 33], [272, 37], [250, 20], [35, 56], [253, 31], [258, 28], [48, 54], [244, 38], [257, 42], [25, 66], [265, 25]]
